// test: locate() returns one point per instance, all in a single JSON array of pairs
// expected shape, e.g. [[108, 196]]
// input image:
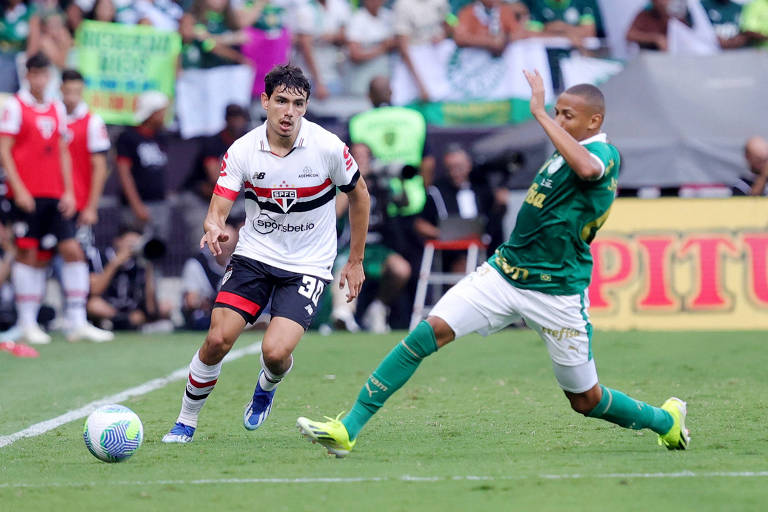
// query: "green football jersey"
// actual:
[[548, 250]]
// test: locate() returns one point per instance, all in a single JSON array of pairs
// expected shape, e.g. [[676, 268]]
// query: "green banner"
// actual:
[[497, 112], [119, 62]]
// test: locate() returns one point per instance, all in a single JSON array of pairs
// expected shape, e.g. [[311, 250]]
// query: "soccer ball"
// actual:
[[113, 433]]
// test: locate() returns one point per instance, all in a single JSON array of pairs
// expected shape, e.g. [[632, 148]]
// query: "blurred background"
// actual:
[[431, 99]]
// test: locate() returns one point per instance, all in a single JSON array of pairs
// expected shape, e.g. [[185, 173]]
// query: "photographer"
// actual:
[[382, 263], [123, 282]]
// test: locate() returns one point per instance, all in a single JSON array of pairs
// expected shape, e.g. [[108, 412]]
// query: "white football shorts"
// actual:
[[485, 302]]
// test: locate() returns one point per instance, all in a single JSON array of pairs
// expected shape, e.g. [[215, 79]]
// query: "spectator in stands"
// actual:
[[419, 22], [198, 187], [386, 271], [756, 155], [123, 295], [319, 29], [210, 35], [263, 14], [103, 10], [55, 40], [142, 166], [572, 19], [490, 25], [454, 196], [201, 278], [754, 21], [725, 16], [649, 28], [371, 38], [161, 14], [19, 33]]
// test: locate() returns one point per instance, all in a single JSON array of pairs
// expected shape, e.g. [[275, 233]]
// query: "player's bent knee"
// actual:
[[585, 402], [217, 345], [443, 332], [274, 355]]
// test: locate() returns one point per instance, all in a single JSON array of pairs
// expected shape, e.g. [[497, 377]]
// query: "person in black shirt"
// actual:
[[122, 284], [200, 183], [142, 165]]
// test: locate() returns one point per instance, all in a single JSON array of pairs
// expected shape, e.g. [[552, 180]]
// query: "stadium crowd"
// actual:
[[353, 52]]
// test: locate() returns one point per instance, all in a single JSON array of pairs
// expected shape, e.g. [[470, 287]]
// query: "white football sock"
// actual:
[[74, 281], [29, 289], [268, 380], [200, 382]]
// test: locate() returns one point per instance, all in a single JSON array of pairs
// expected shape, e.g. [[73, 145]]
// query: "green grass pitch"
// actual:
[[481, 426]]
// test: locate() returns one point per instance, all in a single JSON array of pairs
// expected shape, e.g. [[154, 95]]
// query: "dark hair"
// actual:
[[69, 75], [38, 61], [290, 77], [592, 94], [128, 227]]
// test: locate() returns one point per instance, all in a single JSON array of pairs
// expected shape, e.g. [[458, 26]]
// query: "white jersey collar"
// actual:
[[600, 137], [29, 100], [301, 138], [80, 112]]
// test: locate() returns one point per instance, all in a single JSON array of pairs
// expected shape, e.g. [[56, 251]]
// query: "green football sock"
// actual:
[[627, 412], [390, 375]]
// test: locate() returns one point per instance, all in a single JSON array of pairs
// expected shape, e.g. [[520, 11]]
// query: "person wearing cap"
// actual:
[[142, 165], [199, 185]]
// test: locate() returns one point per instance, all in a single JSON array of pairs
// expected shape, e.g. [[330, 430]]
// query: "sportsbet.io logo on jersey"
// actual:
[[264, 224]]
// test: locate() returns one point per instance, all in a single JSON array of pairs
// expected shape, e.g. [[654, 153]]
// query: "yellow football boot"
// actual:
[[332, 434]]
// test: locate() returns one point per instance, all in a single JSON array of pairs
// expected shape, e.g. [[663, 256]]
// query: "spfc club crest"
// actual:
[[285, 198]]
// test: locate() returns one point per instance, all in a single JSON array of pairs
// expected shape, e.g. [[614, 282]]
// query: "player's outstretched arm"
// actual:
[[213, 226], [577, 156], [359, 208]]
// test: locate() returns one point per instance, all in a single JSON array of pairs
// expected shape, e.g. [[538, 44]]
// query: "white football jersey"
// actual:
[[289, 201]]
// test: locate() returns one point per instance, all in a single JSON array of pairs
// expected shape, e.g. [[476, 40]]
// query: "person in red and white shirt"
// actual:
[[88, 146], [290, 169], [35, 157]]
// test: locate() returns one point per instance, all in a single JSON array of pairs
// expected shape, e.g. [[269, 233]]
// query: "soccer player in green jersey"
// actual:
[[541, 275]]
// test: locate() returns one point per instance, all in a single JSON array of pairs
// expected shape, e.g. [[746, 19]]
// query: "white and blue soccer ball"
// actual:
[[113, 433]]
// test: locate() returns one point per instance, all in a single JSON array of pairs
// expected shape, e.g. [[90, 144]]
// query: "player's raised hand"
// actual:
[[537, 92], [353, 276], [213, 237]]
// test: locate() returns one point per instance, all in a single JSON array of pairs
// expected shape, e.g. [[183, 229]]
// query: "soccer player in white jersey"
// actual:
[[290, 169]]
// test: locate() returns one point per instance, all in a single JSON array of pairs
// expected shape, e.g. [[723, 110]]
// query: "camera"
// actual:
[[384, 172], [150, 248]]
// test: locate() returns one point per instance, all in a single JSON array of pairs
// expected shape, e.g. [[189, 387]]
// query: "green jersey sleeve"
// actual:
[[608, 156]]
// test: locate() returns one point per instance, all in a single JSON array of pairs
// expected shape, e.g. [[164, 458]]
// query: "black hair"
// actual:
[[592, 94], [69, 75], [290, 77], [128, 227], [38, 61]]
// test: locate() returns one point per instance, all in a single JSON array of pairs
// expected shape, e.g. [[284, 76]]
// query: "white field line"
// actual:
[[149, 386], [403, 478]]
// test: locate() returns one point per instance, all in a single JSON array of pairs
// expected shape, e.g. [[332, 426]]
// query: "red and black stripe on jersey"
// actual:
[[307, 198]]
